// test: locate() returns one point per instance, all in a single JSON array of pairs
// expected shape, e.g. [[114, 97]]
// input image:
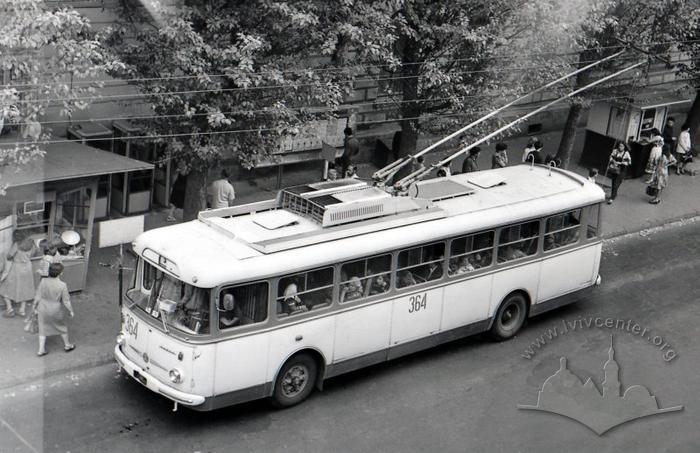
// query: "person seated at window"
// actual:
[[379, 285], [352, 290], [567, 237], [231, 314], [479, 260], [549, 242], [464, 266], [434, 271], [291, 303], [406, 279], [510, 253]]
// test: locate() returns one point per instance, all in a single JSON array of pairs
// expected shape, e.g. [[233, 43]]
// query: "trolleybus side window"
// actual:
[[592, 221], [518, 241], [305, 291], [241, 305], [366, 277], [420, 264], [562, 229], [471, 252]]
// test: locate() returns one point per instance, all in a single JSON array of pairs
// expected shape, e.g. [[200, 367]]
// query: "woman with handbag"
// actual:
[[619, 160], [654, 156], [51, 303], [659, 179], [17, 283]]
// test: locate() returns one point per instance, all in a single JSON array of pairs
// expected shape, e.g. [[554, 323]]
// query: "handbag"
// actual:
[[652, 191], [613, 169], [31, 325]]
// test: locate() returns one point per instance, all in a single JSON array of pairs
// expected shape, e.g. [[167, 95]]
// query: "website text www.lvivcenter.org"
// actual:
[[599, 322]]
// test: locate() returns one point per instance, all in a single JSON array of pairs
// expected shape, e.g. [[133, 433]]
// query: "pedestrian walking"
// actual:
[[51, 302], [659, 179], [220, 193], [471, 163], [500, 156], [683, 149], [536, 155], [177, 193], [530, 147], [654, 156], [618, 163], [351, 148], [17, 280]]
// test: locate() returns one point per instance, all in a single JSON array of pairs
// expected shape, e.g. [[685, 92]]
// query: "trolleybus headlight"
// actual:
[[175, 376], [120, 340]]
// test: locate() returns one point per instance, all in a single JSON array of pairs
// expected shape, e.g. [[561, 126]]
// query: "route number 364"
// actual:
[[418, 302]]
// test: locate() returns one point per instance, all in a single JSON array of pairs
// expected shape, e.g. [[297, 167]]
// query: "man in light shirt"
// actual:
[[220, 193]]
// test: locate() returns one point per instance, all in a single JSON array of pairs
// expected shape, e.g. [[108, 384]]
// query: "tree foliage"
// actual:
[[50, 55], [229, 79]]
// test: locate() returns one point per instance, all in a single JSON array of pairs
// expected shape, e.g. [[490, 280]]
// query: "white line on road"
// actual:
[[22, 439]]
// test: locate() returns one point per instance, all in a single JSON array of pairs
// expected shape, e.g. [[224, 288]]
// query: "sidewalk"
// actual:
[[97, 314]]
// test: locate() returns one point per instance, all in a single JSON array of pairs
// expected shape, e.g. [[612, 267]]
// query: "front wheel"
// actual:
[[295, 381], [510, 317]]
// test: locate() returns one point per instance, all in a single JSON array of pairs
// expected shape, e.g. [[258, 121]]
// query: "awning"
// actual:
[[69, 161]]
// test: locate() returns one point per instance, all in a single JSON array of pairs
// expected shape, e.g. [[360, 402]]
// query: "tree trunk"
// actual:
[[194, 195], [694, 122], [568, 136]]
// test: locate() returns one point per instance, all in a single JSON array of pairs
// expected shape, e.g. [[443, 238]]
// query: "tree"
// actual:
[[611, 25], [228, 79], [46, 52], [435, 58], [687, 34]]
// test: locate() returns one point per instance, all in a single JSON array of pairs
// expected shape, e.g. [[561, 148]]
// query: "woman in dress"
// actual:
[[618, 163], [50, 302], [654, 156], [18, 282], [177, 195], [659, 179]]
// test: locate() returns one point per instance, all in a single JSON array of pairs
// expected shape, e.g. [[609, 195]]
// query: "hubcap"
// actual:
[[510, 316], [294, 380]]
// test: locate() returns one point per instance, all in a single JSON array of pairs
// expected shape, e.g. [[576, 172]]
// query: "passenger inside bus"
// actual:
[[182, 306], [462, 267], [230, 315], [434, 270], [378, 284], [406, 278], [510, 252], [352, 290], [291, 303]]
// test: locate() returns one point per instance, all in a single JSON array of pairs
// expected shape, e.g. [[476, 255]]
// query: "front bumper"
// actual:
[[153, 384]]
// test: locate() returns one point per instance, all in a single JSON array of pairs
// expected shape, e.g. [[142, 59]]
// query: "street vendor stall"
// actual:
[[52, 200]]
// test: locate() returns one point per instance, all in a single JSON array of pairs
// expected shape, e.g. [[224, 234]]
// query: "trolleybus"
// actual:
[[270, 299]]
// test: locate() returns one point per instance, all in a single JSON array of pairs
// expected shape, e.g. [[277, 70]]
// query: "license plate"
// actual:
[[139, 377]]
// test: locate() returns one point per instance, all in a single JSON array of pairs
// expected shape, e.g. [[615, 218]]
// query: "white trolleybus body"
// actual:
[[269, 299]]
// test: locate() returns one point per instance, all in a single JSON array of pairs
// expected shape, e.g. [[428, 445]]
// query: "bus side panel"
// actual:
[[416, 315], [568, 272], [241, 363], [362, 331], [526, 277], [466, 302], [314, 334]]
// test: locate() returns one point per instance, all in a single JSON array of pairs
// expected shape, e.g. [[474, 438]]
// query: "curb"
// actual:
[[104, 358]]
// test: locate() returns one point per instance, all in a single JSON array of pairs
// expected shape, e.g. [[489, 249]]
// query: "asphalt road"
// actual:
[[459, 397]]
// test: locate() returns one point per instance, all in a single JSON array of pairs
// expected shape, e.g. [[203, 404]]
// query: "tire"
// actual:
[[510, 317], [295, 381]]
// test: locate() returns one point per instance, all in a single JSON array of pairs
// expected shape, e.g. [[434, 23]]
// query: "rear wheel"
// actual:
[[295, 381], [510, 317]]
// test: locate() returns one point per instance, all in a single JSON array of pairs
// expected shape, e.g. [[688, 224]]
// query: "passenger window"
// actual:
[[518, 241], [471, 252], [363, 278], [420, 264], [305, 291], [242, 305], [562, 229], [592, 221]]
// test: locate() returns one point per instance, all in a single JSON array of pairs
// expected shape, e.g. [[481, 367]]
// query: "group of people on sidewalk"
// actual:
[[50, 301], [660, 159]]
